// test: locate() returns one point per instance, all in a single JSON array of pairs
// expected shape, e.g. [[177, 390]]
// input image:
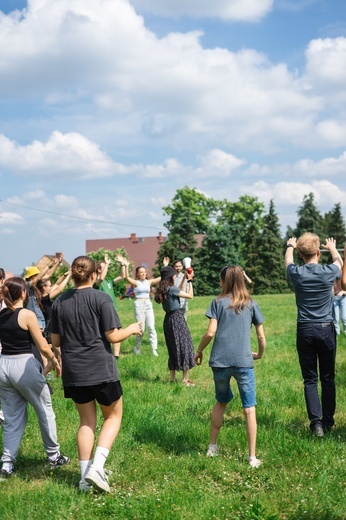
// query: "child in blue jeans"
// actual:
[[231, 316]]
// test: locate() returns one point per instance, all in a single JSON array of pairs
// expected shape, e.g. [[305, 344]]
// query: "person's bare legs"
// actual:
[[251, 429], [112, 416], [86, 430], [172, 376], [216, 421]]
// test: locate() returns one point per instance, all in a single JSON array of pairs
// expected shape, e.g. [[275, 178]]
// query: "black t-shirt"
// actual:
[[81, 317]]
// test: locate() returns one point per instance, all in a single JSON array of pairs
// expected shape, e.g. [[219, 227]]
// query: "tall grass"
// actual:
[[159, 466]]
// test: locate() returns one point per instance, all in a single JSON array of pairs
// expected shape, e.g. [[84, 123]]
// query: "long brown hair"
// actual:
[[161, 293], [12, 290], [233, 286]]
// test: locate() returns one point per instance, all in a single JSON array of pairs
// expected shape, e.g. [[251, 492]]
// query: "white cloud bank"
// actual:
[[235, 10], [171, 90]]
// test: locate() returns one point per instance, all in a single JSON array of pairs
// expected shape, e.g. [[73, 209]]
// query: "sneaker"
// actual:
[[4, 474], [254, 462], [212, 450], [2, 417], [155, 353], [98, 479], [84, 486], [59, 461], [137, 351]]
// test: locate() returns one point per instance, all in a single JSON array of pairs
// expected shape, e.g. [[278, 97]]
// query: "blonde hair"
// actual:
[[308, 245]]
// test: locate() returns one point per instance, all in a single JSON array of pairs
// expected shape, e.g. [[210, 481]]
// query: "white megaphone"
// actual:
[[187, 265]]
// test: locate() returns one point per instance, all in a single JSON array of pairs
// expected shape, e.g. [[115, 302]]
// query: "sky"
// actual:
[[107, 107]]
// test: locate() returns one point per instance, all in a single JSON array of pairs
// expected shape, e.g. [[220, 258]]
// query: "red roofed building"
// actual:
[[141, 250]]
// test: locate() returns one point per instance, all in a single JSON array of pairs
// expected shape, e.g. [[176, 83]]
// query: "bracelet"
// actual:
[[290, 245], [199, 351], [188, 281]]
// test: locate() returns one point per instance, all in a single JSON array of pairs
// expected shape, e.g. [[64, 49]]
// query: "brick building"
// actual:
[[141, 250]]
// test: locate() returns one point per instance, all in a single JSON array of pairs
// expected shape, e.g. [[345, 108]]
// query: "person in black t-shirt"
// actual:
[[83, 325]]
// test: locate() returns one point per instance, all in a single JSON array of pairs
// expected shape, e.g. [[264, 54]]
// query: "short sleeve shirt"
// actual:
[[81, 317], [173, 301], [106, 286], [313, 288], [232, 342]]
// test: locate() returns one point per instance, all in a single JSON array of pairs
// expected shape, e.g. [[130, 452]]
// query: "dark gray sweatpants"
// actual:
[[22, 382]]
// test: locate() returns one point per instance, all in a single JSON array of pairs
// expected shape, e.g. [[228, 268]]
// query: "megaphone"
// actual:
[[187, 265]]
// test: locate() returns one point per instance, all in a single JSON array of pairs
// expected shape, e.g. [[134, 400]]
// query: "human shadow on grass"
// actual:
[[37, 469]]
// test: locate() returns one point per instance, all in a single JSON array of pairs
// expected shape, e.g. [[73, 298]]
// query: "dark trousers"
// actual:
[[316, 345]]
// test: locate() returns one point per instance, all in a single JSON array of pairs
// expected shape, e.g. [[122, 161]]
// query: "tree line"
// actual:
[[240, 233]]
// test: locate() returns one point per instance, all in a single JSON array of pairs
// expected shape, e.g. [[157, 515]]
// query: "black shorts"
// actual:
[[105, 393]]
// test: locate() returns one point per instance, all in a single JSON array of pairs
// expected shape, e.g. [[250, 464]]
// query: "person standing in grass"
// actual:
[[22, 380], [177, 334], [106, 285], [231, 316], [83, 324], [316, 338], [143, 307]]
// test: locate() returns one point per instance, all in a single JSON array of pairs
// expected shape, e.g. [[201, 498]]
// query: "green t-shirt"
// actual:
[[106, 286]]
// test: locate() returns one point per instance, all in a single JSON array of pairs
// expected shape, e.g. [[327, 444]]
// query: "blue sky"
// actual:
[[107, 107]]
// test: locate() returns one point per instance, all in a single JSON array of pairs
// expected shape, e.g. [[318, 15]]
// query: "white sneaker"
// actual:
[[155, 353], [2, 417], [84, 486], [98, 479], [212, 450], [254, 462], [137, 351]]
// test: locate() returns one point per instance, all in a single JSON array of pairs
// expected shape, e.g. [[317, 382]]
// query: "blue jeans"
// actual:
[[339, 305], [245, 378], [316, 345]]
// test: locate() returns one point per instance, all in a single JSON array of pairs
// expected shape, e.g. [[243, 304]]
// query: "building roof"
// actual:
[[141, 250]]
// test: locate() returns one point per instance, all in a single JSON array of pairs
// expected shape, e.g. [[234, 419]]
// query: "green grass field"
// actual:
[[159, 466]]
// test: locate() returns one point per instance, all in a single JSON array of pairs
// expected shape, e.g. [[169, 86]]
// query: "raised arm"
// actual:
[[291, 245], [188, 295], [331, 246], [343, 277], [60, 284], [156, 280], [125, 270]]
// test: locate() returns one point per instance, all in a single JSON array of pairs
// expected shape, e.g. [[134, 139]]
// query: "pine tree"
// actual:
[[309, 218], [271, 275], [335, 225]]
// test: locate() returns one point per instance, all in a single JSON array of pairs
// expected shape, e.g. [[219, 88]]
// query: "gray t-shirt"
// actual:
[[232, 342], [313, 285], [81, 317], [173, 301], [177, 282]]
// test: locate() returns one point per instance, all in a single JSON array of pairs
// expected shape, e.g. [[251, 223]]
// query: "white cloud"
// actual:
[[244, 10], [218, 163], [68, 154], [292, 193], [143, 87], [7, 217], [326, 63]]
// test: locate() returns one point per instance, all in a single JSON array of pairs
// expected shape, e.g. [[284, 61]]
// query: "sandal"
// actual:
[[188, 383]]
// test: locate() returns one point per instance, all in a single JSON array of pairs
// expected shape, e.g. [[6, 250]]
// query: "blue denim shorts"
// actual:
[[246, 382]]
